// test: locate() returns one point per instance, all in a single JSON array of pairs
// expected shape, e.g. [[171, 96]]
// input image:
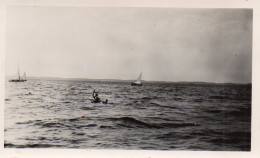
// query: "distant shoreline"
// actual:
[[125, 81]]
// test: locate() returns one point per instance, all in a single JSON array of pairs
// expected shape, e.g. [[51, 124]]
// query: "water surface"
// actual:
[[156, 116]]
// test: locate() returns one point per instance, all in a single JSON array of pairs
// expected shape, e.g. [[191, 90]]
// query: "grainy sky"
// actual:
[[166, 44]]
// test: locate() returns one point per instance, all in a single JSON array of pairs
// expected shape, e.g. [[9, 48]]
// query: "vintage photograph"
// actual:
[[131, 78]]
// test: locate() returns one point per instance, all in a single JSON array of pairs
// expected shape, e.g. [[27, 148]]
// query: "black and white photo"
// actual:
[[128, 78]]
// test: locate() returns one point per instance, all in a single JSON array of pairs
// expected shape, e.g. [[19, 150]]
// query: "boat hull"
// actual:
[[136, 84], [17, 80]]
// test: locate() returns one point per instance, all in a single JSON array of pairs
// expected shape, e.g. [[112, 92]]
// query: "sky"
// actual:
[[165, 44]]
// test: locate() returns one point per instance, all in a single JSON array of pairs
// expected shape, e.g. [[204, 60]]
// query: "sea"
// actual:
[[42, 113]]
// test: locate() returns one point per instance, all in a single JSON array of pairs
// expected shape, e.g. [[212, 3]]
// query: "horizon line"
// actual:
[[91, 79]]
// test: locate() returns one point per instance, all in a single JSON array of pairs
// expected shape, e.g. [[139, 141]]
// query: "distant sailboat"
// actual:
[[20, 79], [138, 82]]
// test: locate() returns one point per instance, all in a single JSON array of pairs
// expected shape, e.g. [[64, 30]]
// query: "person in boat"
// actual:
[[96, 98]]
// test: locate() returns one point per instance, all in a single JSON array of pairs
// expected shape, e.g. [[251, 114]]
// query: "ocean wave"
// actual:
[[48, 124], [218, 97], [162, 105], [78, 134], [10, 145], [130, 122], [177, 125], [199, 100], [66, 102], [53, 124], [148, 98], [229, 97], [236, 139], [214, 111], [133, 123], [35, 122], [107, 127], [87, 108], [74, 119], [178, 99], [240, 113], [91, 125]]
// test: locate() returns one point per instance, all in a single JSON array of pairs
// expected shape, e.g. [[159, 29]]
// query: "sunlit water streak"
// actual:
[[156, 116]]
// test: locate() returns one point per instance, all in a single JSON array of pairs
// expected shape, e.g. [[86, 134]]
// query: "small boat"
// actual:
[[138, 82], [19, 79]]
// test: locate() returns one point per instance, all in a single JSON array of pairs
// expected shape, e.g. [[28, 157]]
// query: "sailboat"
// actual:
[[19, 79], [138, 82]]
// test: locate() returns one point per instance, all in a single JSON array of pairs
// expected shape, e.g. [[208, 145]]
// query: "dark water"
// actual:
[[158, 116]]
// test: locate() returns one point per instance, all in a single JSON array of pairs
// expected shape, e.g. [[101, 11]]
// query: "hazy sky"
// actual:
[[166, 44]]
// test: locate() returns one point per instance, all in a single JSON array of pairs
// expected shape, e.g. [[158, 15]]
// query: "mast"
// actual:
[[18, 72]]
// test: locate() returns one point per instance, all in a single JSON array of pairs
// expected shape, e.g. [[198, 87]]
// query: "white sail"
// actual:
[[18, 73], [138, 81], [24, 76]]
